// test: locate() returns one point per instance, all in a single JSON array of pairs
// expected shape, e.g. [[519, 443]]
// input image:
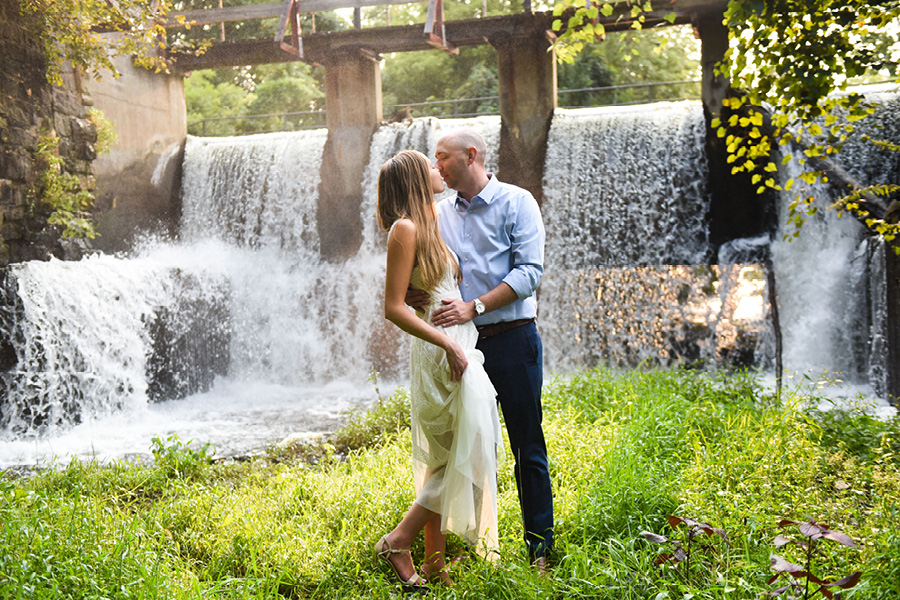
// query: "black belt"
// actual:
[[486, 331]]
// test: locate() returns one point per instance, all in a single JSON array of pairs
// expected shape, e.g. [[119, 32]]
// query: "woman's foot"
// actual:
[[400, 560], [435, 570], [438, 576]]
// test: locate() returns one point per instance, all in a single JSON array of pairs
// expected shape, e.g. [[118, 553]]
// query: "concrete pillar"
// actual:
[[713, 44], [353, 103], [527, 79], [139, 181]]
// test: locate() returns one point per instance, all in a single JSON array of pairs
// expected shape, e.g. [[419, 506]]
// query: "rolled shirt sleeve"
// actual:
[[527, 248]]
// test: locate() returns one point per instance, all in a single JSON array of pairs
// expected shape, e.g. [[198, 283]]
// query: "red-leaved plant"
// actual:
[[801, 577], [682, 549]]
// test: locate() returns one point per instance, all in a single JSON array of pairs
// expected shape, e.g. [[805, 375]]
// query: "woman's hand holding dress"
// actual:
[[456, 358]]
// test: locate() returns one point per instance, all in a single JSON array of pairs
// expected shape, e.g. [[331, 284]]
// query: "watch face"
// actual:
[[479, 306]]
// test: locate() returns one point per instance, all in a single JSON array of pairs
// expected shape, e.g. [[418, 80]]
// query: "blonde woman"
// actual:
[[455, 426]]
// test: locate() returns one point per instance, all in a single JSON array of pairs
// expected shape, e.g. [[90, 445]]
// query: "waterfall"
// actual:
[[242, 297], [818, 274], [83, 351], [829, 291], [625, 209], [240, 321]]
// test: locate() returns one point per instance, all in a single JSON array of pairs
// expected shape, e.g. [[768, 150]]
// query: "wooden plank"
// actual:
[[226, 15], [325, 5], [264, 11], [429, 20]]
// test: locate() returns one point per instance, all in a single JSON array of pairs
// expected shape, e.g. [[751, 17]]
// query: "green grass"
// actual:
[[627, 450]]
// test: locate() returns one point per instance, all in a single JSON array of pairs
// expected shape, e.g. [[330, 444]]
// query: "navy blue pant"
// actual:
[[513, 361]]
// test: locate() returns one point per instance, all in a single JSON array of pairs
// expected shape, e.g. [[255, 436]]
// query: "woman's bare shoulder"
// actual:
[[403, 230]]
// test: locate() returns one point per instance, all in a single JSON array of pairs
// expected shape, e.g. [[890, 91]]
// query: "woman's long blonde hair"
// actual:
[[404, 192]]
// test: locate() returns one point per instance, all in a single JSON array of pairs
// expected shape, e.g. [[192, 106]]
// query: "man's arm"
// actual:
[[527, 248], [416, 298]]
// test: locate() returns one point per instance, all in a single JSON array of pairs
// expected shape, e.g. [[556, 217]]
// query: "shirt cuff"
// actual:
[[521, 283]]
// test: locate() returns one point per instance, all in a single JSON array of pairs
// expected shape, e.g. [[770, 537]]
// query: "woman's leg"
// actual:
[[404, 534], [435, 547]]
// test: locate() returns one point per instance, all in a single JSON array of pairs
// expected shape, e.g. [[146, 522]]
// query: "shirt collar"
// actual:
[[486, 195]]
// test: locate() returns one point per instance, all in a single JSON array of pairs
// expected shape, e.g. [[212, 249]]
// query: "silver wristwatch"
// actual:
[[479, 307]]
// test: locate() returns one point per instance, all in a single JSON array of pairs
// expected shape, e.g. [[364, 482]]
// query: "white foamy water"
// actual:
[[239, 335], [236, 418], [242, 303]]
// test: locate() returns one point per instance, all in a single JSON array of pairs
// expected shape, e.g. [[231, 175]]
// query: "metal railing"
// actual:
[[289, 121], [420, 109], [633, 93], [613, 95]]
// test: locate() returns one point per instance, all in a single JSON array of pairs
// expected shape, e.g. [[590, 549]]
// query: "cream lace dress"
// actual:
[[455, 431]]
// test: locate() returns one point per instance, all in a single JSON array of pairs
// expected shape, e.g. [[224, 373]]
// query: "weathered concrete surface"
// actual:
[[139, 181], [354, 110], [527, 83]]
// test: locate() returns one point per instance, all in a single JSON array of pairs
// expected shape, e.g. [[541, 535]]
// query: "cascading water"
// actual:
[[242, 300], [818, 274], [625, 208], [243, 306], [830, 295]]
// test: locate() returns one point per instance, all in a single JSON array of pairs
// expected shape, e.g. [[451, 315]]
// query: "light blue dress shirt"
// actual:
[[498, 237]]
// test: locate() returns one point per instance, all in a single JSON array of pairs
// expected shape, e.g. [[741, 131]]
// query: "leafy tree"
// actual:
[[71, 31], [207, 95], [645, 56], [789, 62], [413, 77], [288, 94], [792, 62], [227, 92]]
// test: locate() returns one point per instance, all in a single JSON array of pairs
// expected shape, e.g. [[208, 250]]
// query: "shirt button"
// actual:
[[466, 259]]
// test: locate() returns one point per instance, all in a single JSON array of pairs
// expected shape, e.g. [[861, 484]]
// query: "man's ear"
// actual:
[[471, 153]]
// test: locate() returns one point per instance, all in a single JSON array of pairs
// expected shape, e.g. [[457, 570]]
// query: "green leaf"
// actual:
[[670, 18]]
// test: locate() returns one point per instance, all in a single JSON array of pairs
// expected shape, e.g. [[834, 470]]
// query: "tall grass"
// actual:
[[627, 450]]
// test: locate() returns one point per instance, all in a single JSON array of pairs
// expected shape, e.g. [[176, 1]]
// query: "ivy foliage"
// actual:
[[68, 196], [73, 32], [579, 22]]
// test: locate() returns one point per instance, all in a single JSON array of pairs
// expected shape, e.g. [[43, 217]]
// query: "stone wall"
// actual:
[[31, 107]]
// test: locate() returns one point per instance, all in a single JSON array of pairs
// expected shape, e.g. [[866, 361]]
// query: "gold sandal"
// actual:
[[384, 551]]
